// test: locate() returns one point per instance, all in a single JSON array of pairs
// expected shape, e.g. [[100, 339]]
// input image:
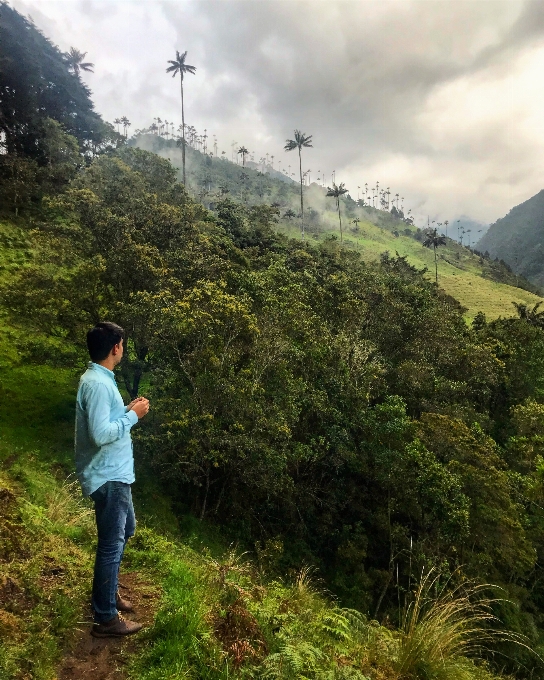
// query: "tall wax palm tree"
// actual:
[[243, 152], [336, 192], [243, 177], [117, 122], [125, 122], [300, 140], [179, 66], [74, 58], [532, 316], [434, 240]]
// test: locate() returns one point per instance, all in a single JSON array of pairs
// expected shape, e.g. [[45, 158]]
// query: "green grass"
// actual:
[[220, 616], [460, 273], [461, 278]]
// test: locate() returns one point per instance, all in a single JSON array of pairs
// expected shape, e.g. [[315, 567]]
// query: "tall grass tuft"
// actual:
[[443, 627], [66, 505]]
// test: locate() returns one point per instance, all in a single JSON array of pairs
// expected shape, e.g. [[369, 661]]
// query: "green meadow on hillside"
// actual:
[[341, 477], [219, 614], [462, 279], [462, 274]]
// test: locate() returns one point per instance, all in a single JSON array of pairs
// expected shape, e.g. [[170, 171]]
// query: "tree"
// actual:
[[243, 178], [298, 142], [126, 124], [74, 59], [336, 192], [289, 214], [434, 240], [243, 152], [532, 316], [179, 66], [35, 84]]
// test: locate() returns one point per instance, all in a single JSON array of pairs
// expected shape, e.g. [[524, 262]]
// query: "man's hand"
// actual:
[[140, 406]]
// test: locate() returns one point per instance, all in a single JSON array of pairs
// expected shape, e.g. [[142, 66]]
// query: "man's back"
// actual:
[[103, 446]]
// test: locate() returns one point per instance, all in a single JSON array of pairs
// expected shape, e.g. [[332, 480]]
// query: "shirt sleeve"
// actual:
[[98, 406]]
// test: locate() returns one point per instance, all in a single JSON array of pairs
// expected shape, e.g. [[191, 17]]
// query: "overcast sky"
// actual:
[[441, 100]]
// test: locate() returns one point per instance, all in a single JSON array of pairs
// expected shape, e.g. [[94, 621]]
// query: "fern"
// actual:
[[294, 661]]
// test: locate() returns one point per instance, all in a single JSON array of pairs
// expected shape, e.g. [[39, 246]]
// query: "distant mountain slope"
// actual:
[[478, 283], [518, 239]]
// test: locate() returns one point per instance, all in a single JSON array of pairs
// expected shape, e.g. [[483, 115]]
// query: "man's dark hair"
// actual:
[[102, 338]]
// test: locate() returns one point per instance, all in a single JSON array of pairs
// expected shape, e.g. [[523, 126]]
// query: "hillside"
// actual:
[[480, 284], [339, 477], [259, 610], [324, 413], [518, 239], [211, 611]]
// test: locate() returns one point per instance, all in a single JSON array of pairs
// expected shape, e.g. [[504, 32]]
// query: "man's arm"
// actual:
[[97, 401]]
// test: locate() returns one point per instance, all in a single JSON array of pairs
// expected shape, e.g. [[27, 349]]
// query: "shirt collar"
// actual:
[[103, 369]]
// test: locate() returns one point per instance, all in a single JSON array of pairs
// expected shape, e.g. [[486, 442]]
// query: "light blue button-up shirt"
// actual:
[[103, 444]]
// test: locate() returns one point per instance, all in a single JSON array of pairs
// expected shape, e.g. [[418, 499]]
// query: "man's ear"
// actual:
[[116, 349]]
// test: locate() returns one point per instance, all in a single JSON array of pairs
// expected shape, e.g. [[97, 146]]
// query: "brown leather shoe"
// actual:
[[122, 604], [116, 627]]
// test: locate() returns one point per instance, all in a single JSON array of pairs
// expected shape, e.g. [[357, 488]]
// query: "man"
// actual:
[[105, 468]]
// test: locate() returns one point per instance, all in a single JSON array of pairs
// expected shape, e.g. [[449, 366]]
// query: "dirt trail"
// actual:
[[105, 659]]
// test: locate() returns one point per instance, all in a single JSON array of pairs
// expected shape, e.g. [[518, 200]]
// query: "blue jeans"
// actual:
[[116, 523]]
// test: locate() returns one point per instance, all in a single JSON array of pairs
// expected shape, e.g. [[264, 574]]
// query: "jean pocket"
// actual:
[[100, 493]]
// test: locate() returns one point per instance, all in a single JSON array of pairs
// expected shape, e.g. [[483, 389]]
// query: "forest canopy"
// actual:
[[322, 409], [302, 397], [36, 84]]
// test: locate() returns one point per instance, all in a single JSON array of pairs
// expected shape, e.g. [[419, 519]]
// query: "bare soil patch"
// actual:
[[90, 658]]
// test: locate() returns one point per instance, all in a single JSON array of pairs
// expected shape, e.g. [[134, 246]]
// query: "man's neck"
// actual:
[[108, 363]]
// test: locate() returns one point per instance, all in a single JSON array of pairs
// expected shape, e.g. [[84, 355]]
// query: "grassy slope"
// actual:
[[463, 278], [217, 611], [219, 616]]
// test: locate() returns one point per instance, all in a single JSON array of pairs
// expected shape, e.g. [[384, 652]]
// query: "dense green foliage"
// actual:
[[322, 409], [517, 239], [35, 84], [365, 228]]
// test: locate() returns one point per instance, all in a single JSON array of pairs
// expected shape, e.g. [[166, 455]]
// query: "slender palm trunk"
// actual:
[[301, 199], [435, 266], [183, 130], [339, 217]]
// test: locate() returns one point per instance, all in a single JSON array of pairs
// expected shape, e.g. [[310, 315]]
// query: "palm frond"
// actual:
[[179, 65], [298, 142], [337, 190]]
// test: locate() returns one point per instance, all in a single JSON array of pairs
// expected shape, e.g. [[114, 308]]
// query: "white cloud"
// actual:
[[438, 99]]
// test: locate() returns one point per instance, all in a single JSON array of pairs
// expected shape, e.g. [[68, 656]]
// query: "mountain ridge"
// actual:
[[518, 239]]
